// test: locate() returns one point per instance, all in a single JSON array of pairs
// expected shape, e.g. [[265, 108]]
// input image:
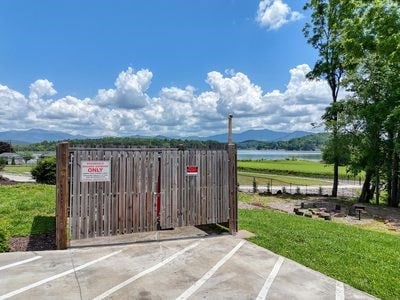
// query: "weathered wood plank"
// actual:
[[108, 200], [84, 209], [203, 184], [174, 188], [143, 170], [128, 210], [114, 191], [136, 191]]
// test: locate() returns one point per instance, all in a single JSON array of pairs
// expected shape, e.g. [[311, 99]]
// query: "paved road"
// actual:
[[213, 267], [18, 177]]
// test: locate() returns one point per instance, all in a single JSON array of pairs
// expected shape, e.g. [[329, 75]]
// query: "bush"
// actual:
[[3, 237], [45, 171]]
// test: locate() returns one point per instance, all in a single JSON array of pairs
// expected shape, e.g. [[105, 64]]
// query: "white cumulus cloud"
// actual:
[[40, 88], [236, 94], [127, 109], [273, 14], [130, 90]]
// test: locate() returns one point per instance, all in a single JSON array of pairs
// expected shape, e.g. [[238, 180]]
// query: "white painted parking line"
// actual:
[[190, 291], [339, 290], [264, 290], [145, 272], [38, 283], [20, 262]]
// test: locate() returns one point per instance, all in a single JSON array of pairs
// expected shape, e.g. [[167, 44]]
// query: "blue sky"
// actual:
[[152, 67]]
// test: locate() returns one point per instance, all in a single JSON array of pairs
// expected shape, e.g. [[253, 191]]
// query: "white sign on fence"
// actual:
[[95, 170]]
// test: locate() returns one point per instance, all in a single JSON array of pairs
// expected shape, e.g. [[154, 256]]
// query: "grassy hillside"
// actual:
[[367, 260], [290, 167]]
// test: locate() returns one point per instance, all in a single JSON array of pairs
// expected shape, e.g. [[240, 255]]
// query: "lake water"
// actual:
[[279, 154]]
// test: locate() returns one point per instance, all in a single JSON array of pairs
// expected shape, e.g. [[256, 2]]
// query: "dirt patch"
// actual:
[[6, 181], [242, 205], [33, 243]]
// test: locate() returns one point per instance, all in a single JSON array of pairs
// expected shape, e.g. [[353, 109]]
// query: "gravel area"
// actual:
[[377, 217]]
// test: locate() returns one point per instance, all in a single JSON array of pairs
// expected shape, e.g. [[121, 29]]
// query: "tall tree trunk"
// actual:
[[378, 190], [335, 155], [394, 196], [370, 193], [366, 188], [389, 165], [335, 179]]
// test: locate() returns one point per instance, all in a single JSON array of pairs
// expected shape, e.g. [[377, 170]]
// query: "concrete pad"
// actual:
[[165, 270], [179, 233], [244, 234]]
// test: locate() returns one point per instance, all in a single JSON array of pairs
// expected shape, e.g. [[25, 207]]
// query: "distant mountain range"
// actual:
[[264, 135], [30, 136], [22, 137]]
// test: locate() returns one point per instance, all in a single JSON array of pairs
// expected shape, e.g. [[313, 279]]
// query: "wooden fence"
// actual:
[[137, 190]]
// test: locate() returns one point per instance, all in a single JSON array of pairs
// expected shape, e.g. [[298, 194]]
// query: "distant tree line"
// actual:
[[122, 142], [307, 143]]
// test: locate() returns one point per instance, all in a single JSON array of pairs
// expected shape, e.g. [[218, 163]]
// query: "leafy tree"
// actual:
[[370, 41], [5, 147], [324, 34]]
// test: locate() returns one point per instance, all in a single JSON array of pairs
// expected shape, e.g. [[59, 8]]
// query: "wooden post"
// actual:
[[230, 130], [62, 155], [232, 181]]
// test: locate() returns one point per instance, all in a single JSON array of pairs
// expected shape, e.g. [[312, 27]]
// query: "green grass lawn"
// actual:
[[27, 209], [367, 260], [18, 169], [291, 167], [246, 178]]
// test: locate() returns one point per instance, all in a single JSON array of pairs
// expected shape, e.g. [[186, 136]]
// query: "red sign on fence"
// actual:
[[192, 170]]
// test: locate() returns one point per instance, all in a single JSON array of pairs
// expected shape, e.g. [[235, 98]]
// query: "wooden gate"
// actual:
[[146, 189]]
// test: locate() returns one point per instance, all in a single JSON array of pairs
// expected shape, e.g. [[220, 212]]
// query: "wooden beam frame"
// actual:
[[232, 181], [62, 197]]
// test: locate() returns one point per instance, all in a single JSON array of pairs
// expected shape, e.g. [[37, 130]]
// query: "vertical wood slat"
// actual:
[[180, 177], [84, 203], [62, 195], [198, 188], [128, 210], [122, 192], [174, 188], [74, 215], [186, 187], [167, 178], [154, 190], [107, 201], [149, 196], [137, 178], [203, 186]]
